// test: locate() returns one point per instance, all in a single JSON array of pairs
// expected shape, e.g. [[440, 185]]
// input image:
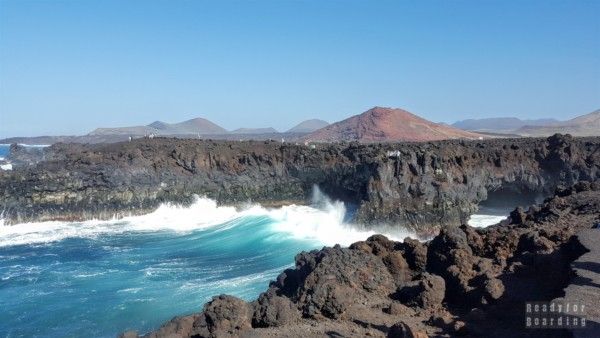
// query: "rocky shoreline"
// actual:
[[464, 282], [421, 186]]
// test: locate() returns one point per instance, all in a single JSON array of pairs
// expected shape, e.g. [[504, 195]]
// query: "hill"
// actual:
[[380, 124], [308, 126], [190, 127], [585, 125], [194, 126], [499, 124], [255, 131]]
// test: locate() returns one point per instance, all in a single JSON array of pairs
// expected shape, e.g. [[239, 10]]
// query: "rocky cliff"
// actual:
[[464, 282], [418, 185]]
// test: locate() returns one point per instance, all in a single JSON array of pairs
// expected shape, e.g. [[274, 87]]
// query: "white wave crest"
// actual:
[[323, 221], [482, 221]]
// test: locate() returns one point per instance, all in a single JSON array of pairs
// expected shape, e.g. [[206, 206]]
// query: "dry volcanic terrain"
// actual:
[[421, 186], [464, 282], [388, 125]]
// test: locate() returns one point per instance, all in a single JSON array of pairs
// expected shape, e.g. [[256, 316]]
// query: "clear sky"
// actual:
[[67, 67]]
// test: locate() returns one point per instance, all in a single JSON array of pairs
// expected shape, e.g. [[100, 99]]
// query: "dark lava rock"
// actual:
[[465, 281], [415, 253], [424, 186], [271, 310], [427, 292], [223, 316], [403, 330]]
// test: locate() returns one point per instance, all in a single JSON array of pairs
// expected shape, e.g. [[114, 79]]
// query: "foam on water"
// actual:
[[5, 149], [98, 278], [482, 220], [323, 221]]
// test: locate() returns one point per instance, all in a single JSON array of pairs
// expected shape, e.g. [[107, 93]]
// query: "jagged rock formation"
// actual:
[[419, 185], [464, 282]]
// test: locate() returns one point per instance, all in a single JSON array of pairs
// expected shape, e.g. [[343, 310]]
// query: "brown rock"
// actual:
[[427, 293], [397, 266], [223, 316], [272, 310], [396, 309], [415, 253], [403, 330]]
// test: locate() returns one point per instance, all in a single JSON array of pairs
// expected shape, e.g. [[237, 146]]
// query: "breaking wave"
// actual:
[[99, 278], [322, 221]]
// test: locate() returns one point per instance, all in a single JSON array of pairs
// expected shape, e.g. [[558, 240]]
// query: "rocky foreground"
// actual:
[[464, 282], [422, 186]]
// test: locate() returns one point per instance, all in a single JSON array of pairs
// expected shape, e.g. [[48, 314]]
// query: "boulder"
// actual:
[[427, 292], [223, 316]]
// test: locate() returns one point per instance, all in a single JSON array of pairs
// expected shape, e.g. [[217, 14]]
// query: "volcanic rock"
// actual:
[[422, 186], [351, 291]]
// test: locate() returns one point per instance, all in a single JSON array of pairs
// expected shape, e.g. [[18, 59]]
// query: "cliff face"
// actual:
[[418, 185]]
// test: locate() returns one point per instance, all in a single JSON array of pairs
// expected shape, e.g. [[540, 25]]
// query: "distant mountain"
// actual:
[[195, 126], [499, 124], [132, 131], [585, 125], [308, 126], [160, 125], [255, 131], [190, 127], [386, 124]]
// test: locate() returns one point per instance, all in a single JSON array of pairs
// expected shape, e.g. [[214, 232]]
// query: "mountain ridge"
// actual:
[[499, 124], [308, 126], [583, 125]]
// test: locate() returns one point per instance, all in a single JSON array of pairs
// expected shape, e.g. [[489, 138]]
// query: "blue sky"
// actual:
[[67, 67]]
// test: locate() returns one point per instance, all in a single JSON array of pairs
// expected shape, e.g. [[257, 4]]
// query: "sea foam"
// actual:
[[322, 221], [482, 220]]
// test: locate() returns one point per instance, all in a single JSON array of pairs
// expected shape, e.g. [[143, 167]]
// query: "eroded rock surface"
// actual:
[[422, 186]]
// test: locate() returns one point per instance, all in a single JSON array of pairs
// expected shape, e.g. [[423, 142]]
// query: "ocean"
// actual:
[[99, 278], [4, 148]]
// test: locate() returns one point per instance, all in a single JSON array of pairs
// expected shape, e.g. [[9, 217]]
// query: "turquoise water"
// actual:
[[99, 278]]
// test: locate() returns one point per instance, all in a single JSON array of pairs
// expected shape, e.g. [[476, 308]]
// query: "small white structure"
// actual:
[[393, 153]]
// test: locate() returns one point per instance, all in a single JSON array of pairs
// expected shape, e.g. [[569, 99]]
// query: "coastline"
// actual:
[[466, 282], [423, 186]]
